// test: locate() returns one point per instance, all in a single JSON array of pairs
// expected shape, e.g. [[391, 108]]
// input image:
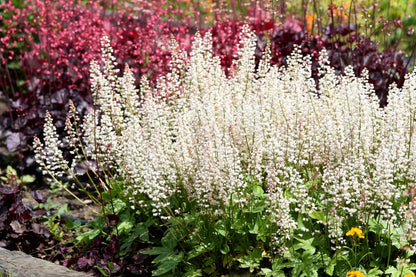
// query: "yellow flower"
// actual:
[[409, 275], [355, 274], [355, 231]]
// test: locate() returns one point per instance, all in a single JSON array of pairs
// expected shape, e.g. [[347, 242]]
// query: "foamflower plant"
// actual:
[[261, 171]]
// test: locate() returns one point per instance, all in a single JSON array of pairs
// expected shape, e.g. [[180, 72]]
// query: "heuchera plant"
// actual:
[[20, 225], [55, 42]]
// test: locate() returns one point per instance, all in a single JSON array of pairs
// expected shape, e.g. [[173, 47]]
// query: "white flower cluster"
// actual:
[[329, 151], [50, 157]]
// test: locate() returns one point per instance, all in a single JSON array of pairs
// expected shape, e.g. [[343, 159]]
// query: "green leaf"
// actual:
[[141, 231], [192, 272], [118, 205], [157, 251], [266, 272], [76, 224], [305, 244], [102, 272], [110, 266], [63, 209], [199, 250], [255, 229], [317, 216], [329, 269], [169, 263], [220, 228], [225, 249], [258, 190], [279, 264], [375, 272], [394, 272], [89, 235], [252, 260], [169, 241], [259, 206], [10, 171], [13, 65], [127, 223], [27, 179]]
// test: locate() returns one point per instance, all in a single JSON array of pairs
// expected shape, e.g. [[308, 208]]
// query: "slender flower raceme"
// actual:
[[49, 155]]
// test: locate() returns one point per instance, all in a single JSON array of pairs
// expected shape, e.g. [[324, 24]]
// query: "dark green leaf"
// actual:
[[168, 264], [169, 242], [220, 228]]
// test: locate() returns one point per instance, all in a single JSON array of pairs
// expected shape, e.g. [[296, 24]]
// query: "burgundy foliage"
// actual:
[[54, 43], [101, 253], [20, 227]]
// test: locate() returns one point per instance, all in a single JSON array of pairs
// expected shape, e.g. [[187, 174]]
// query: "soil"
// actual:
[[77, 210]]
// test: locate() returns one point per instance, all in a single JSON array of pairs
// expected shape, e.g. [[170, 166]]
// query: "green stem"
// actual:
[[389, 248]]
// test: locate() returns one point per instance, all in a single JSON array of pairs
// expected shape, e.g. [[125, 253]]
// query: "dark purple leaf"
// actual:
[[84, 262], [3, 219], [9, 191], [38, 196], [114, 246], [17, 208], [60, 97], [39, 230], [84, 166], [19, 123], [26, 215], [70, 262], [113, 219], [38, 213], [139, 257], [13, 142]]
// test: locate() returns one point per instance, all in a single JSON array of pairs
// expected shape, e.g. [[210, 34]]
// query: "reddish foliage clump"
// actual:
[[20, 227], [99, 254], [54, 43]]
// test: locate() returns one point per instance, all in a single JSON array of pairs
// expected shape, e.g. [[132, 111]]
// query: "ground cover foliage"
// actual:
[[257, 170]]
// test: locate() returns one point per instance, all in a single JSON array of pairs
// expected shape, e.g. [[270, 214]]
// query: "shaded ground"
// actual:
[[76, 209], [56, 197]]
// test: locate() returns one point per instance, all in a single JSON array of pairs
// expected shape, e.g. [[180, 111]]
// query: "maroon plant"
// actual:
[[101, 255], [60, 40], [20, 227]]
